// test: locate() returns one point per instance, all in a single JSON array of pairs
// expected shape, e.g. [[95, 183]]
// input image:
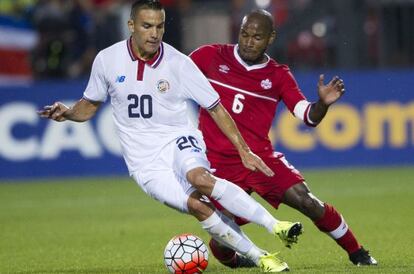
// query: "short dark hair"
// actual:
[[145, 4]]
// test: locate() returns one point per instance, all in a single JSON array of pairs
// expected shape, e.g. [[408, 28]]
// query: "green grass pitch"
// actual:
[[110, 226]]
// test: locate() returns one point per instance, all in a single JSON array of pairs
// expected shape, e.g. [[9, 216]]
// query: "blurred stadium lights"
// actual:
[[393, 1], [305, 39], [263, 4], [319, 29], [311, 34]]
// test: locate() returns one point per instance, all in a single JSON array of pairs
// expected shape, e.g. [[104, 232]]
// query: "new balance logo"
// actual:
[[120, 79]]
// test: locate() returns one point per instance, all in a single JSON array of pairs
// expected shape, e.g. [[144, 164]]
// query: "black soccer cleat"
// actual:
[[244, 262], [239, 261], [362, 257]]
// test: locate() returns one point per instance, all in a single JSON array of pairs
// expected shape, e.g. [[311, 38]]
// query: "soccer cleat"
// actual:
[[229, 257], [271, 263], [288, 232], [239, 261], [362, 257], [243, 262]]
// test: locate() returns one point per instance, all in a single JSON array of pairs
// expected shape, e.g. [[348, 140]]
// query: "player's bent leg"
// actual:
[[199, 207], [165, 186], [299, 197], [335, 225], [194, 166], [267, 262], [225, 255], [201, 179], [328, 220], [226, 235], [229, 257], [238, 202], [225, 232], [231, 197]]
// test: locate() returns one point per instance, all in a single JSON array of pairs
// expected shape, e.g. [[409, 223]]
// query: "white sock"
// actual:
[[254, 253], [223, 233], [231, 223], [239, 203]]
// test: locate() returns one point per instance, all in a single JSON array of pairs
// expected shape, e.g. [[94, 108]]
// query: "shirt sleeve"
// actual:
[[196, 87], [294, 99], [202, 57], [97, 88]]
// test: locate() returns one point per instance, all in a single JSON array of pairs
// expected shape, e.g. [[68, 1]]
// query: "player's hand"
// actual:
[[253, 162], [331, 92], [54, 112]]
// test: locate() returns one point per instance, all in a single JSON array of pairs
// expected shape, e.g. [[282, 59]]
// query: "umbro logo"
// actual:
[[224, 68], [120, 79]]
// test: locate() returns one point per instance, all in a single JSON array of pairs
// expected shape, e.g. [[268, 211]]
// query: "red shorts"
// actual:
[[270, 189]]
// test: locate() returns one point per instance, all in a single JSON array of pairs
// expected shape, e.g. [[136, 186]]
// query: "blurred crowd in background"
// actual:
[[60, 38]]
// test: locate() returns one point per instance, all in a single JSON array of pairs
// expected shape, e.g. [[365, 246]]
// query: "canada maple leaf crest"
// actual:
[[266, 84]]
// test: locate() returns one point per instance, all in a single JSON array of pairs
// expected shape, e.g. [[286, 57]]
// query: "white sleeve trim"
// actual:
[[300, 109]]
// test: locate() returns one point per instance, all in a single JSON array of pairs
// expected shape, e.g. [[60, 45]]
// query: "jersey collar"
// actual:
[[244, 64], [153, 62]]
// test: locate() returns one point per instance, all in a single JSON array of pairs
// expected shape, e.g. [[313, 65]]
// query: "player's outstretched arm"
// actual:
[[229, 128], [81, 111], [328, 94]]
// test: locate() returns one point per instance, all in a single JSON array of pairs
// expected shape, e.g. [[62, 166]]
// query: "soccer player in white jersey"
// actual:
[[149, 83]]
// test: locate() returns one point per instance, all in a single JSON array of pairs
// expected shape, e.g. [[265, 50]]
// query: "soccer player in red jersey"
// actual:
[[251, 84]]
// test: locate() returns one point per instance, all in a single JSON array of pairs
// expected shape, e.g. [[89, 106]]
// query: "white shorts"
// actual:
[[164, 179]]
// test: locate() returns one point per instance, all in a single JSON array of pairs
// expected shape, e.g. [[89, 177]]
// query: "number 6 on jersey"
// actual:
[[237, 103]]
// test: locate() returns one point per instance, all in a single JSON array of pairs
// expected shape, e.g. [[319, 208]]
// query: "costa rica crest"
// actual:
[[163, 86]]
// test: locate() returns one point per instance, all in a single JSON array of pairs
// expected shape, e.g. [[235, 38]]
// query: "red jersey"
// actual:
[[250, 94]]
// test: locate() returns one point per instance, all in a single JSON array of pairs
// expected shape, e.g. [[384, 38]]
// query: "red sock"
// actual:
[[334, 224], [223, 254]]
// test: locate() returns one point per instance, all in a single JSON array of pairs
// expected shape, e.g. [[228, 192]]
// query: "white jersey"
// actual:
[[149, 99]]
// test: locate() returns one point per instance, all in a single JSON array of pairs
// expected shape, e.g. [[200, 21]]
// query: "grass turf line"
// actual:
[[109, 225]]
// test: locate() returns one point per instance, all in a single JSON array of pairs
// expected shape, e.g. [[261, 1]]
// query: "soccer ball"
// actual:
[[186, 254]]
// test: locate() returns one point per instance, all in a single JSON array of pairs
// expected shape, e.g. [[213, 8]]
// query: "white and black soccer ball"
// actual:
[[186, 254]]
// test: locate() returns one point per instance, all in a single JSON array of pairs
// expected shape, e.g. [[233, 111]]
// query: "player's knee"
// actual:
[[199, 209], [310, 206], [201, 179], [195, 207]]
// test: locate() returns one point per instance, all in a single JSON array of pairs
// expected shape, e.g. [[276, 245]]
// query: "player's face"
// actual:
[[147, 30], [254, 38]]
